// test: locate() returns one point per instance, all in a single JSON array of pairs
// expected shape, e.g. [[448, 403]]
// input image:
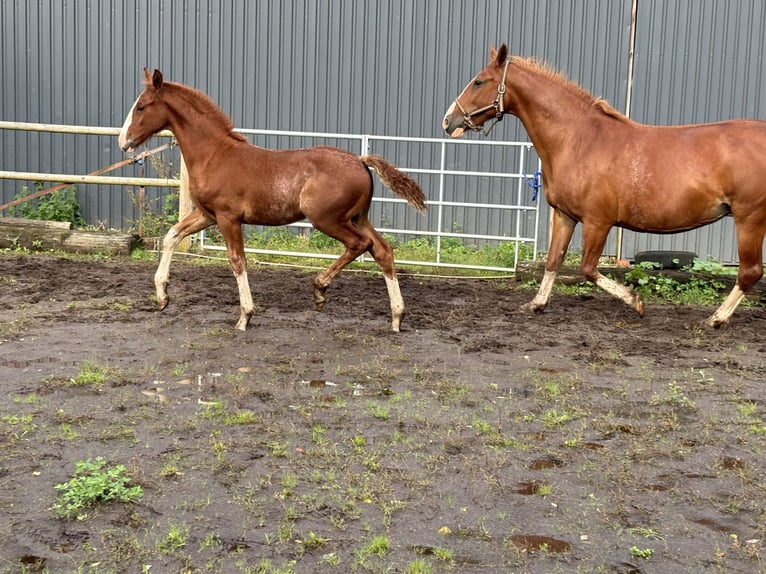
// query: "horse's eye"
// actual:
[[139, 109], [477, 83]]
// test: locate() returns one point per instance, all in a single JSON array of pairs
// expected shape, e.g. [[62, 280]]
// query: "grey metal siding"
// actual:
[[382, 67]]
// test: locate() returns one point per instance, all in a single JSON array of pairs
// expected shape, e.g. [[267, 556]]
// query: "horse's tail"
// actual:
[[397, 181]]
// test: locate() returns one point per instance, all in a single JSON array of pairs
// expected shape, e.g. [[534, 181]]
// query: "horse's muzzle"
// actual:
[[454, 125]]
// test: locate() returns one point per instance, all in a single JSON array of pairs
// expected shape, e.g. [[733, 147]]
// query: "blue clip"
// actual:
[[535, 183]]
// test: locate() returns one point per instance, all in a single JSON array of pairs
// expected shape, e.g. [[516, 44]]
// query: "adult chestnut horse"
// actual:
[[602, 169], [232, 182]]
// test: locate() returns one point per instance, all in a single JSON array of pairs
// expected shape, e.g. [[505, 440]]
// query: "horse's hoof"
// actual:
[[163, 303], [639, 307], [533, 308], [713, 323]]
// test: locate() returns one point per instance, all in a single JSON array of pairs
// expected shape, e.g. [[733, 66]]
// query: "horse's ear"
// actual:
[[157, 79], [500, 55]]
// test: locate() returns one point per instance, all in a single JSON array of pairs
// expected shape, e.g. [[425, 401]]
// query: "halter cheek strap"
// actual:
[[497, 105]]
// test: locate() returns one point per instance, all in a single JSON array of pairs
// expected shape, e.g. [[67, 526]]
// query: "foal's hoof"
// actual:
[[163, 303]]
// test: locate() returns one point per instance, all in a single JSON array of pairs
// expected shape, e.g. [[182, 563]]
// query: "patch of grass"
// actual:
[[175, 540], [89, 373], [377, 546], [94, 482]]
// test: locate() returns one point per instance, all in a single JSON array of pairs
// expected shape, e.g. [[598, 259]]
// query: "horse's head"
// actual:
[[148, 115], [482, 99]]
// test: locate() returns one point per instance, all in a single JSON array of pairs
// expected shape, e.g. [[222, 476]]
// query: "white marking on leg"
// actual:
[[122, 138], [543, 296], [161, 276], [622, 292], [397, 303], [726, 310], [245, 300]]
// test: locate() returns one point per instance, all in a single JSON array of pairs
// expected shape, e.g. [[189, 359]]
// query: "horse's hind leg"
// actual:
[[192, 223], [561, 234], [750, 271], [383, 254]]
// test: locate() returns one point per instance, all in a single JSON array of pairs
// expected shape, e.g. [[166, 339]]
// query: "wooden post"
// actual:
[[185, 205]]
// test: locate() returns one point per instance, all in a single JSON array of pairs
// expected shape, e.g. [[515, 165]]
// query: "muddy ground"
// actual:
[[479, 439]]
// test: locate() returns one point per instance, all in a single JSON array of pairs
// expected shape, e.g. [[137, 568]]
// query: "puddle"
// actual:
[[529, 542], [712, 524], [32, 563], [732, 463], [26, 363], [528, 487], [317, 383], [543, 463]]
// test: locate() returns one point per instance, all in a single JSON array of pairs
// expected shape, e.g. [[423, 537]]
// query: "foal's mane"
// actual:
[[204, 105], [544, 69]]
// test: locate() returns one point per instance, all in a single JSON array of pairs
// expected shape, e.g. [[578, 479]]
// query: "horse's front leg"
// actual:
[[561, 234], [192, 223], [235, 248], [594, 239]]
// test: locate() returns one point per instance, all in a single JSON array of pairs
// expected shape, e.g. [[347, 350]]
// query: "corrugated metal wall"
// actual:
[[382, 67], [698, 62]]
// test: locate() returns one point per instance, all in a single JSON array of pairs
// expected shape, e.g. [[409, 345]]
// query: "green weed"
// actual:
[[94, 482]]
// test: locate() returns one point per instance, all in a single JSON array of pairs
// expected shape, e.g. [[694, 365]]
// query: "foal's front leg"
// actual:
[[192, 223]]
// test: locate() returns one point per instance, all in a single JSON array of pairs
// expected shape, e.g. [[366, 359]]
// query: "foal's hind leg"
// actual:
[[355, 244], [383, 254], [192, 223]]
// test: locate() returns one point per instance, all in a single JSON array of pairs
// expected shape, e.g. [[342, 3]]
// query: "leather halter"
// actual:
[[497, 105]]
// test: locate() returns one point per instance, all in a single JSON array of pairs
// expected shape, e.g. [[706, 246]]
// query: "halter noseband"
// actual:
[[497, 105]]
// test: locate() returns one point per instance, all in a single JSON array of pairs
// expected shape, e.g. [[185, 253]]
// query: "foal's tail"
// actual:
[[397, 181]]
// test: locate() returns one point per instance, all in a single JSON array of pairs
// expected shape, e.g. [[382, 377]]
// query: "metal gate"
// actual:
[[502, 178]]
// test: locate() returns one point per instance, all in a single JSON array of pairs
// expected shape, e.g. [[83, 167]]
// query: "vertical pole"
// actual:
[[629, 95], [185, 205]]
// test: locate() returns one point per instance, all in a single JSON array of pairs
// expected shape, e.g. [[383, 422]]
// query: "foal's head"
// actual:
[[148, 115], [482, 99]]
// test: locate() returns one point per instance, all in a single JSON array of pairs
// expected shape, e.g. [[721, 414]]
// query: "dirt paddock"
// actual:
[[479, 439]]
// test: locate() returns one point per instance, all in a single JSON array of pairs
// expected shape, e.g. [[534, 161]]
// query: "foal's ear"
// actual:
[[157, 79]]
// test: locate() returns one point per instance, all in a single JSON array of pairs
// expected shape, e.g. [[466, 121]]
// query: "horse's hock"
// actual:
[[58, 235]]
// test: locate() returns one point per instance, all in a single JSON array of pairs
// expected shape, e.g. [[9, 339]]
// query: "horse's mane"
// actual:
[[544, 69], [204, 105]]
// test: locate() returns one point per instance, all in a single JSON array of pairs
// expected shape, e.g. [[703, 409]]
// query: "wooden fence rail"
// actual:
[[185, 202]]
